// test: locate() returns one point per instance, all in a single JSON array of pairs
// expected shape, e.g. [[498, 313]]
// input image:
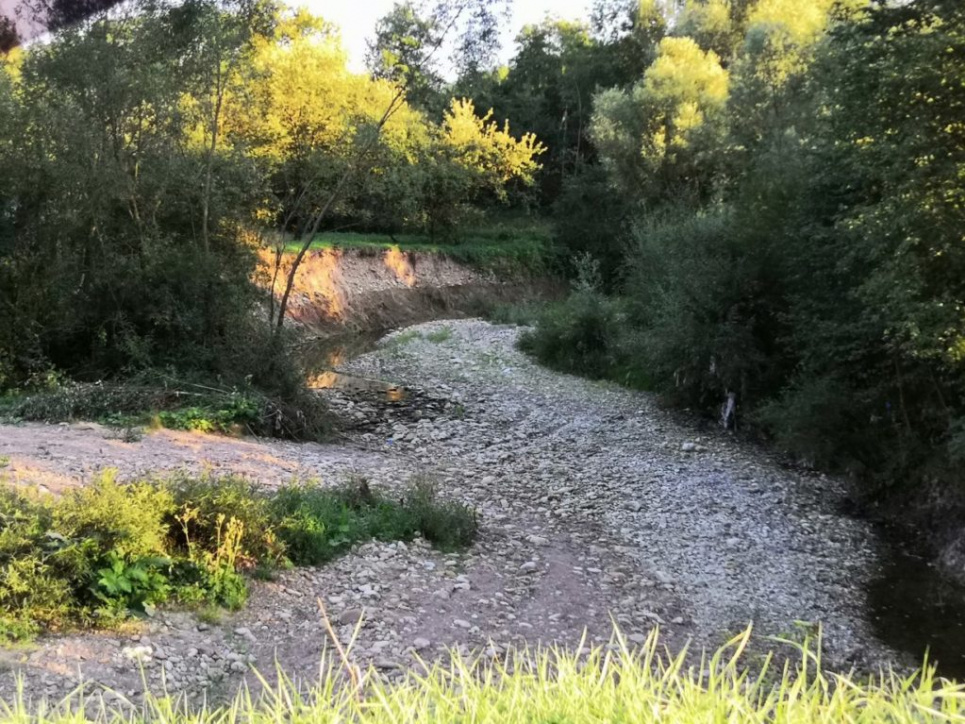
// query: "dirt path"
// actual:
[[594, 504]]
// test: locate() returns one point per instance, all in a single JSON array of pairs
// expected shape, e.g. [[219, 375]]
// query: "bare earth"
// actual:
[[596, 507]]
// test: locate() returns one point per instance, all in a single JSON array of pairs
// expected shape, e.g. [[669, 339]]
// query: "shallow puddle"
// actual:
[[322, 358], [913, 608]]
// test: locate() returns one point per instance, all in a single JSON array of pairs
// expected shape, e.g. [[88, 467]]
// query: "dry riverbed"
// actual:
[[596, 506]]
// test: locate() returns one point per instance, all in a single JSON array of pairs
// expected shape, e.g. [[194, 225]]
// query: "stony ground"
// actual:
[[596, 506]]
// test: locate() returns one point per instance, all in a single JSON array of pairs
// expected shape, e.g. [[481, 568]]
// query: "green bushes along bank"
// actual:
[[110, 550]]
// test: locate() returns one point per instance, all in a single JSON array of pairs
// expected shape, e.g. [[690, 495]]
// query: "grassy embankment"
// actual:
[[509, 247]]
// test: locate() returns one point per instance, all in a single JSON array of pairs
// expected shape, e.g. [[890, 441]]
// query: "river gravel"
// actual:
[[597, 507], [742, 537]]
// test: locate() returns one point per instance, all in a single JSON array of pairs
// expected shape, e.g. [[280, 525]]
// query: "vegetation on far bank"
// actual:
[[150, 400], [154, 154], [513, 248], [107, 551], [602, 685], [775, 210]]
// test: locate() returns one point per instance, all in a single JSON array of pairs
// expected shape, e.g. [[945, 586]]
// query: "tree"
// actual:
[[403, 52], [104, 271], [661, 138], [446, 14], [217, 57], [476, 25], [9, 37]]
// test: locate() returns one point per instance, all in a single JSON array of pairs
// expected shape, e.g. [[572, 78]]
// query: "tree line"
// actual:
[[776, 202], [764, 196]]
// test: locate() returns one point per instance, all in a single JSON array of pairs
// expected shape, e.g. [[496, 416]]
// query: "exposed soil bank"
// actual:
[[339, 290]]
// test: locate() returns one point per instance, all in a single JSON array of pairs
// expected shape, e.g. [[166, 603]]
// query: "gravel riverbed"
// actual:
[[596, 507]]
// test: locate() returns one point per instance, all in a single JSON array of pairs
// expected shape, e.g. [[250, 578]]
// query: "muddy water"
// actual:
[[915, 609], [323, 357]]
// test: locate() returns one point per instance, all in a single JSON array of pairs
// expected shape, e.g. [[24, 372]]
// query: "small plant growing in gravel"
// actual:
[[403, 338], [447, 525], [318, 523], [211, 615], [439, 335]]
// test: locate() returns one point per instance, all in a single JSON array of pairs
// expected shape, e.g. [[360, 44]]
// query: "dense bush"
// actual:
[[697, 288], [82, 559], [587, 333], [109, 550], [580, 335]]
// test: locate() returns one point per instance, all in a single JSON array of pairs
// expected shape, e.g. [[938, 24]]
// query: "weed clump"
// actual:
[[318, 523], [439, 335], [111, 550]]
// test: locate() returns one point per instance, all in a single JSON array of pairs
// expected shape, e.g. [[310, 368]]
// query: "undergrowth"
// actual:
[[177, 405], [522, 314], [609, 684], [110, 550]]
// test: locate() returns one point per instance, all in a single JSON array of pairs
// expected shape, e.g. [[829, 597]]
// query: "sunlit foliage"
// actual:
[[150, 149], [652, 135]]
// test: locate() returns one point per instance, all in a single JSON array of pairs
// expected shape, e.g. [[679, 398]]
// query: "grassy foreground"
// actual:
[[554, 686]]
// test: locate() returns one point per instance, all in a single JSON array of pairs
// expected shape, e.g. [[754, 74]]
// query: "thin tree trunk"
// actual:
[[209, 166], [308, 234]]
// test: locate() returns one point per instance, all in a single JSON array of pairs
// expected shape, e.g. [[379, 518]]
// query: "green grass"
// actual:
[[403, 338], [439, 335], [552, 686], [507, 248]]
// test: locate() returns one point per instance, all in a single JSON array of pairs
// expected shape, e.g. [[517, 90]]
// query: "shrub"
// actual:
[[698, 293], [317, 523], [448, 525], [129, 519], [110, 550], [582, 335], [813, 420], [202, 505]]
